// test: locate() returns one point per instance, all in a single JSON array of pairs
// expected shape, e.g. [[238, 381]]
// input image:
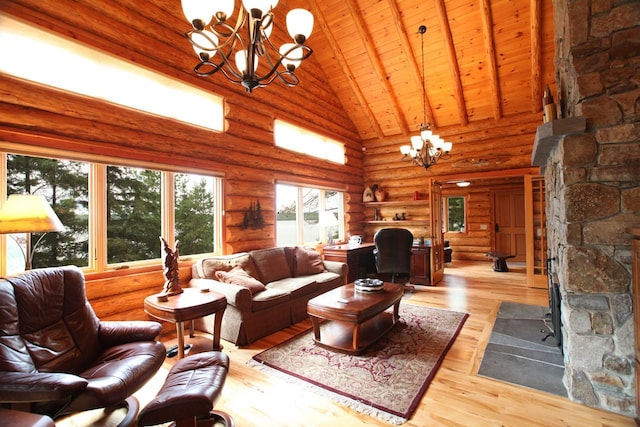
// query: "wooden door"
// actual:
[[437, 238], [509, 223]]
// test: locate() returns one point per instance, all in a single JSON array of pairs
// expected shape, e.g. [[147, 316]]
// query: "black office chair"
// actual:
[[393, 252]]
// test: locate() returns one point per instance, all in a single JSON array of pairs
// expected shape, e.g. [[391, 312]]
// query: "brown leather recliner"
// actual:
[[57, 357]]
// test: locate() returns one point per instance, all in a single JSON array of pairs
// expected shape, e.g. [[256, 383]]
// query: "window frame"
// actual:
[[323, 230], [97, 245], [445, 213]]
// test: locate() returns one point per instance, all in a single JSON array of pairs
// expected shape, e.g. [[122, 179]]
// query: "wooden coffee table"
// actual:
[[349, 321]]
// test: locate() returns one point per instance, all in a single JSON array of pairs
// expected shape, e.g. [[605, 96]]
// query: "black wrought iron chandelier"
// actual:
[[235, 50], [427, 147]]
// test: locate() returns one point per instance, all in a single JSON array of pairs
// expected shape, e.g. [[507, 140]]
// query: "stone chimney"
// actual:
[[593, 194]]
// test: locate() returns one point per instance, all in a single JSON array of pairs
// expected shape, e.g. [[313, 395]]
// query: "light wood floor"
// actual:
[[456, 397]]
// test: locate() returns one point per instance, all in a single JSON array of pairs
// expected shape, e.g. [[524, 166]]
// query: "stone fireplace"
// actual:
[[592, 179]]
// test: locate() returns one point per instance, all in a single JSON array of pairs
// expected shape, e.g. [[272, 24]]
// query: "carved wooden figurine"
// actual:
[[170, 269]]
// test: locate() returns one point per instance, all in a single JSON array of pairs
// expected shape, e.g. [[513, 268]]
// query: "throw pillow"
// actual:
[[237, 276], [308, 262]]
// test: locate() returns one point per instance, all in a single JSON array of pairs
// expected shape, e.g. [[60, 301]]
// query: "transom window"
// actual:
[[303, 141], [68, 65]]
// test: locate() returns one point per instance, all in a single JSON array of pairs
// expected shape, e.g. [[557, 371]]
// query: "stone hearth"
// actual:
[[592, 183]]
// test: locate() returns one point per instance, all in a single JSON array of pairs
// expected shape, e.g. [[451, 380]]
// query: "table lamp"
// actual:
[[28, 213]]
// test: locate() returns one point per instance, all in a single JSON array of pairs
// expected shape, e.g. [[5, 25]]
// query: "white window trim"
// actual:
[[97, 250]]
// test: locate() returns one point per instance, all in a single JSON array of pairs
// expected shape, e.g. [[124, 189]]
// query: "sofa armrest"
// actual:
[[337, 267], [237, 296], [24, 387], [121, 332]]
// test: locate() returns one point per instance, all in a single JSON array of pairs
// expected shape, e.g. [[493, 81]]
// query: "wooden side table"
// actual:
[[188, 305]]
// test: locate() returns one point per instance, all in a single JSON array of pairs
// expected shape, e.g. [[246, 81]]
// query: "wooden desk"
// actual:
[[358, 258], [188, 305]]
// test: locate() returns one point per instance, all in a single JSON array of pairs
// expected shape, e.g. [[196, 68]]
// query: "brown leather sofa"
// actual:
[[58, 358], [284, 280]]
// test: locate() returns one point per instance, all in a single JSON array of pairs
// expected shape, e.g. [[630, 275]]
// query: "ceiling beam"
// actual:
[[416, 73], [351, 79], [490, 52], [453, 62], [536, 55], [365, 35]]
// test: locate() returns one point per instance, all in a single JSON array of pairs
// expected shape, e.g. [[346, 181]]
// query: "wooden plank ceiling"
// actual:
[[484, 60]]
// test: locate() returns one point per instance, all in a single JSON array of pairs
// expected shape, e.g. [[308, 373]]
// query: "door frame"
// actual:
[[533, 278]]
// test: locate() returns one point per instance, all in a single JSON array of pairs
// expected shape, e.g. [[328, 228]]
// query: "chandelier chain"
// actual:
[[426, 148]]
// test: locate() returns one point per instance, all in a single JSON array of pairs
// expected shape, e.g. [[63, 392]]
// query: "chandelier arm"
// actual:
[[281, 57], [233, 31], [233, 71], [231, 76], [293, 78], [231, 36]]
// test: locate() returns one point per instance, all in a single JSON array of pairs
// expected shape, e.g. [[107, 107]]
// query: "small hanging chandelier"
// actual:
[[217, 42], [426, 148]]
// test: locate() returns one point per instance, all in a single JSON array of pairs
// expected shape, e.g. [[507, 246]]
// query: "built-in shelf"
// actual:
[[397, 203], [411, 206], [400, 222], [548, 135]]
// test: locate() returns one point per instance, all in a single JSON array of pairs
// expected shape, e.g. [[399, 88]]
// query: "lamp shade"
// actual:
[[198, 10], [299, 22], [28, 213]]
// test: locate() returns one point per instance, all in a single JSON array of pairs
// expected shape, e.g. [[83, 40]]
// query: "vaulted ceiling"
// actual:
[[484, 60]]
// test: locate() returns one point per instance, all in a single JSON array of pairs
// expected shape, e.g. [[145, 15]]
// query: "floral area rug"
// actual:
[[387, 380]]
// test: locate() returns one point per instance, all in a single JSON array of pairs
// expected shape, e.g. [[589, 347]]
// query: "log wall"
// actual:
[[33, 115]]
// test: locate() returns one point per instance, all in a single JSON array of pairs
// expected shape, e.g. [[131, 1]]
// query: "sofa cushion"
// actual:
[[271, 297], [206, 267], [308, 262], [237, 276], [271, 264], [327, 280], [290, 254], [295, 286]]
